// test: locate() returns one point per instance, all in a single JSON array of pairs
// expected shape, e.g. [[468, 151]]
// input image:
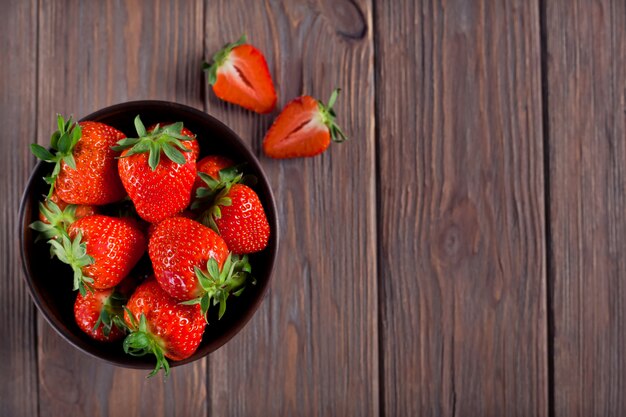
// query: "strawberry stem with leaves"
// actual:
[[58, 220], [74, 253], [63, 142], [162, 138], [111, 314], [141, 342], [328, 117], [219, 285]]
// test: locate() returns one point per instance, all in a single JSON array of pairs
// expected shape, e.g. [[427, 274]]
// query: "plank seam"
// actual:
[[377, 216], [543, 34]]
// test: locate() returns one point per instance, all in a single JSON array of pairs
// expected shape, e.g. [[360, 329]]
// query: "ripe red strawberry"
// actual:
[[192, 264], [85, 170], [161, 326], [159, 187], [235, 212], [239, 75], [101, 250], [95, 311], [210, 165], [305, 127]]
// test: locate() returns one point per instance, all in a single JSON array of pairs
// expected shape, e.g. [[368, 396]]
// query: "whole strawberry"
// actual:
[[239, 75], [192, 264], [162, 326], [304, 128], [85, 169], [95, 311], [235, 212], [101, 250], [158, 169]]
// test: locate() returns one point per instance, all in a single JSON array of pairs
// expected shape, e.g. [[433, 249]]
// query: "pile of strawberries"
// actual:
[[113, 198]]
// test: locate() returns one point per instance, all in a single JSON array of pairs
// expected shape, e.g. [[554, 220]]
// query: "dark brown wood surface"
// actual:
[[461, 255], [586, 73], [461, 220]]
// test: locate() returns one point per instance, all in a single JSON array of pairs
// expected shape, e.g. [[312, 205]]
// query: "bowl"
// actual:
[[50, 281]]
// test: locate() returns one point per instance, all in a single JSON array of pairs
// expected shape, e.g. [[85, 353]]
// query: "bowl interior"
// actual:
[[50, 281]]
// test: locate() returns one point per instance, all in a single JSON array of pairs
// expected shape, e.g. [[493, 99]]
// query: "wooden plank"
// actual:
[[18, 346], [461, 212], [586, 68], [94, 54], [311, 349]]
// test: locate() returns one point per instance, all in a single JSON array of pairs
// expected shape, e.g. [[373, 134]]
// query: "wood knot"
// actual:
[[457, 234], [347, 17]]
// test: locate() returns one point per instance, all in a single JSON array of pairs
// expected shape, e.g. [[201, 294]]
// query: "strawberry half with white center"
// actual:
[[159, 185], [304, 128], [239, 75], [234, 211], [192, 264], [85, 169], [95, 314], [162, 326], [101, 250]]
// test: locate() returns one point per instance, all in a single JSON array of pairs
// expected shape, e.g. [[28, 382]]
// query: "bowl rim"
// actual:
[[271, 212]]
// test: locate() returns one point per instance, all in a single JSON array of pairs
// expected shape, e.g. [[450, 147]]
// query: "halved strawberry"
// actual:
[[95, 312], [239, 75], [85, 169], [304, 128], [159, 187], [161, 326], [101, 250]]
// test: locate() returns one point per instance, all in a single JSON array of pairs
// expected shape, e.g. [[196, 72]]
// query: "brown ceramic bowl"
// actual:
[[50, 281]]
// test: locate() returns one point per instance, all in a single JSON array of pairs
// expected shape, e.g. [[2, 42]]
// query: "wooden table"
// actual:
[[462, 255]]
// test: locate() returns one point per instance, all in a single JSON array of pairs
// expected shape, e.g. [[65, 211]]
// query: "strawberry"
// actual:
[[239, 75], [210, 165], [161, 326], [101, 250], [95, 312], [159, 187], [192, 264], [305, 127], [81, 210], [235, 212], [85, 169]]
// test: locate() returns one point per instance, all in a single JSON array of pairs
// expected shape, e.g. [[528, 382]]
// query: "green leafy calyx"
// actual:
[[167, 139], [219, 285], [62, 144], [111, 314], [328, 117], [74, 253], [141, 342], [219, 58], [58, 220]]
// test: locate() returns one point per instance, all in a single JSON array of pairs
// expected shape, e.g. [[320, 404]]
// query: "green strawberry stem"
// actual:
[[141, 342], [162, 138], [62, 142], [328, 117], [219, 58], [215, 194], [58, 220], [111, 313], [219, 285], [74, 253]]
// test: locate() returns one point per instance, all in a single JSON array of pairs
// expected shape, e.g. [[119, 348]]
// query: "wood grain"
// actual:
[[586, 73], [18, 342], [311, 349], [461, 212], [94, 54]]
